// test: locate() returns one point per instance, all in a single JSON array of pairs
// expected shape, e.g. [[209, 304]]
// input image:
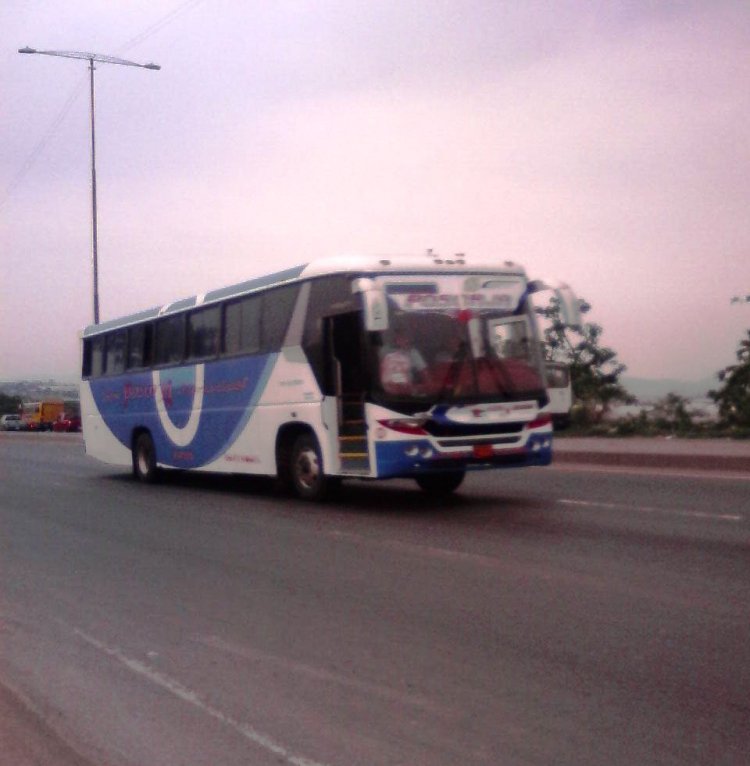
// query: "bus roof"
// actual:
[[360, 265]]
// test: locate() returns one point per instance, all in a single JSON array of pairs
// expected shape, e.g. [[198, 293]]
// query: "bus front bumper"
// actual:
[[419, 456]]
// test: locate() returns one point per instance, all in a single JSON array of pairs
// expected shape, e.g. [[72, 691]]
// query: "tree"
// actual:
[[733, 397], [594, 369], [671, 414], [9, 404]]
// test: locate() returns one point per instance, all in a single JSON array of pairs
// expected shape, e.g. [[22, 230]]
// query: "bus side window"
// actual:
[[203, 332], [169, 346], [97, 356], [115, 361], [86, 365], [278, 306], [329, 296], [242, 326], [140, 341]]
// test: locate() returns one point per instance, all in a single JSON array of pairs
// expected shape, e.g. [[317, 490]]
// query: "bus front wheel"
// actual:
[[144, 459], [437, 484], [306, 475]]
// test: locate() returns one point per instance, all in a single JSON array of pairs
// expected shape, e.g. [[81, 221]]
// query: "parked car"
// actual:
[[11, 423], [67, 424]]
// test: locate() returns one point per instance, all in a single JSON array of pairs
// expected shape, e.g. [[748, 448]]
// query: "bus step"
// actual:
[[353, 428], [353, 449], [353, 452], [351, 464], [350, 471], [352, 446]]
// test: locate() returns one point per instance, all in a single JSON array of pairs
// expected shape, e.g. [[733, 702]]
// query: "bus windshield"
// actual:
[[449, 356]]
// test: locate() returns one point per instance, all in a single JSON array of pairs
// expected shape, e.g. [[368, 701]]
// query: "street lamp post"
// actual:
[[91, 58]]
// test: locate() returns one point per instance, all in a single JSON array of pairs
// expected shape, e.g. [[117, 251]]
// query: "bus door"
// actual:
[[346, 373]]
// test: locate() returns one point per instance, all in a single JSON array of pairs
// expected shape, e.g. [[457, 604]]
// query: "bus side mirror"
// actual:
[[536, 286], [570, 311], [374, 303], [570, 306]]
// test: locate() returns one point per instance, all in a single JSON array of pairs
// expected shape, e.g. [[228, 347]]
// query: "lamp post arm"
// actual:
[[89, 57]]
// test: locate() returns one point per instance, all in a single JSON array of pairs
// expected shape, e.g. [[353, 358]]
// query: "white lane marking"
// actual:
[[543, 571], [650, 509], [426, 551], [646, 471], [187, 695], [319, 674]]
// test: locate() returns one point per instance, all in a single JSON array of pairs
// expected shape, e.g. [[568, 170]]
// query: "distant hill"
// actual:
[[647, 390], [36, 390]]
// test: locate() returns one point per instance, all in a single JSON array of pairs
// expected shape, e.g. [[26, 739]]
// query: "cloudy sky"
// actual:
[[600, 143]]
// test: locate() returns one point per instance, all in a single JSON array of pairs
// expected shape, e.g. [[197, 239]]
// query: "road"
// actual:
[[546, 616]]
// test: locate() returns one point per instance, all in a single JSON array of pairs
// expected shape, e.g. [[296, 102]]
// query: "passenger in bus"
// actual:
[[402, 366]]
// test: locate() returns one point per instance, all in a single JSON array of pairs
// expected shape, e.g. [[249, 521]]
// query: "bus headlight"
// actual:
[[413, 426]]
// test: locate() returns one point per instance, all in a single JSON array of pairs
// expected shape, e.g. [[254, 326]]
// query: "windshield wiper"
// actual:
[[452, 375], [503, 379]]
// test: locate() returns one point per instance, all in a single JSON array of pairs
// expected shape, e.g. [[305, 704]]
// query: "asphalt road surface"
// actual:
[[543, 616]]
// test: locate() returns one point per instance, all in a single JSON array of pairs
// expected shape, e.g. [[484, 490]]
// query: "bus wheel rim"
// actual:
[[307, 468], [144, 460]]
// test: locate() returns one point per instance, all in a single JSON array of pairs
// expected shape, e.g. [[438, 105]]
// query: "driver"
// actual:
[[402, 366]]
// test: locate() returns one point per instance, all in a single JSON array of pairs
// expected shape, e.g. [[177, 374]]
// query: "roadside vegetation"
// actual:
[[9, 403], [670, 416], [598, 392], [733, 397]]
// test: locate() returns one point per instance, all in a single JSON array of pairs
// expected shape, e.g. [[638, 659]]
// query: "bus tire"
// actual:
[[438, 484], [144, 458], [305, 469]]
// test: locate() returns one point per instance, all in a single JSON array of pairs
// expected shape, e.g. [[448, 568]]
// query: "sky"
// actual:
[[601, 144]]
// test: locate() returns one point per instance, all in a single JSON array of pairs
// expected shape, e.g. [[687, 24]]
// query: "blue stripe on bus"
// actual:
[[231, 389]]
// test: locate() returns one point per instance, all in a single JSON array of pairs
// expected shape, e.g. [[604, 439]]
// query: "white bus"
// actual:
[[307, 375], [560, 392]]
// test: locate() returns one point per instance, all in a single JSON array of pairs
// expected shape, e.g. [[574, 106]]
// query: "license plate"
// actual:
[[483, 450]]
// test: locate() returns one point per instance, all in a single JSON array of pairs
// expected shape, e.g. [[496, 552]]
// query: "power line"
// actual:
[[42, 143], [28, 163], [159, 25]]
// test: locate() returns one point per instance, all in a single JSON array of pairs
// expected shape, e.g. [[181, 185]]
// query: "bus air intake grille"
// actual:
[[473, 442], [466, 429]]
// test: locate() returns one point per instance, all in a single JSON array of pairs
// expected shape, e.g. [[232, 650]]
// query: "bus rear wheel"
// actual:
[[305, 470], [437, 484], [144, 459]]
